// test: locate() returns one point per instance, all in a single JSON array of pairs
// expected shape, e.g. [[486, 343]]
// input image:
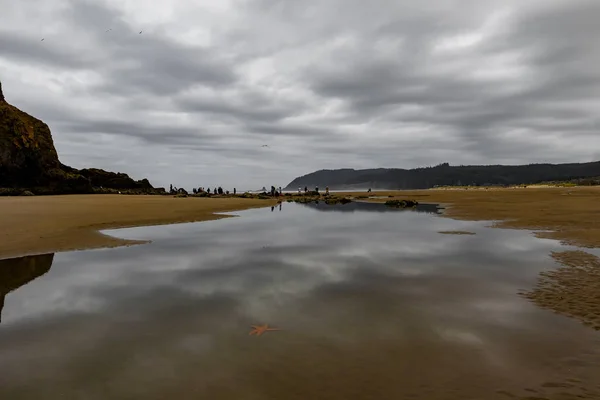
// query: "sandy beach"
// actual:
[[34, 225], [566, 214], [44, 224], [573, 289]]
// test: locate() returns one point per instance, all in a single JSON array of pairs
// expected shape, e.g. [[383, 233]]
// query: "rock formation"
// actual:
[[29, 161]]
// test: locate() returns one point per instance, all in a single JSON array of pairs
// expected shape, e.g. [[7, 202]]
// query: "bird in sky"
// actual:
[[108, 30], [140, 33], [264, 145], [260, 329], [42, 40]]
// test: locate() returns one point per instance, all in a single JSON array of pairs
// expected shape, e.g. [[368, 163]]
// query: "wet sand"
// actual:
[[46, 224], [567, 214], [573, 289]]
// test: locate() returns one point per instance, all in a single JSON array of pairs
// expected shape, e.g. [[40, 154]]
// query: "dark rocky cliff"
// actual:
[[29, 161], [28, 157]]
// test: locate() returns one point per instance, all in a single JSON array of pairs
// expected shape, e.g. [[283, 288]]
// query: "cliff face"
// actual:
[[27, 154], [29, 161]]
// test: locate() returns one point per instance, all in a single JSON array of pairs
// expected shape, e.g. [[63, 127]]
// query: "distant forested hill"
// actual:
[[444, 174]]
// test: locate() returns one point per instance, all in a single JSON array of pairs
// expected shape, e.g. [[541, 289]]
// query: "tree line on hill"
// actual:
[[446, 175]]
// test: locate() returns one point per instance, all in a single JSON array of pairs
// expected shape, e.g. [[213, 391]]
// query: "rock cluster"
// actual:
[[402, 203]]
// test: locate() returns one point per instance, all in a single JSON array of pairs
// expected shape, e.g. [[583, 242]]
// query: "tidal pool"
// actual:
[[371, 303]]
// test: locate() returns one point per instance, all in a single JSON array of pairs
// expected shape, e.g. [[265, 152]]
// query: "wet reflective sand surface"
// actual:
[[372, 303]]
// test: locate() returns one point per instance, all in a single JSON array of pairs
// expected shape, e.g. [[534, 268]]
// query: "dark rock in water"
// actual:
[[401, 203], [337, 200], [29, 161]]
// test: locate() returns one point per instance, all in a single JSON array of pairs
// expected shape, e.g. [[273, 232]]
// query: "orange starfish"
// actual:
[[260, 329]]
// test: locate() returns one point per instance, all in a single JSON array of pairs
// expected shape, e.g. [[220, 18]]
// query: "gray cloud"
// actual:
[[326, 84], [29, 50], [150, 133]]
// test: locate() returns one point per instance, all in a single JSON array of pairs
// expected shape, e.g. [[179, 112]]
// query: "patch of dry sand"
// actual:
[[46, 224]]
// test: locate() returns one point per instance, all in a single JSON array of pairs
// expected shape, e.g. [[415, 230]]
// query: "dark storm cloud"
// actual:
[[290, 129], [162, 68], [150, 133], [243, 112], [147, 62], [31, 50], [129, 62], [254, 113]]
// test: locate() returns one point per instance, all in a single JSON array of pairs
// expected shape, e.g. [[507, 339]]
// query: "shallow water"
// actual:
[[372, 303]]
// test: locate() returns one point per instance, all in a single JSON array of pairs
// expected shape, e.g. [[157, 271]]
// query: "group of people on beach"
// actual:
[[275, 192], [218, 190], [215, 191], [316, 190]]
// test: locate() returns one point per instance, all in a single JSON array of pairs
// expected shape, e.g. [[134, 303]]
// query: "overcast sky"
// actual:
[[324, 83]]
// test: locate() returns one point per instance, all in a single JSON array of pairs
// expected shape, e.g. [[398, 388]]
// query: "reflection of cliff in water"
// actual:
[[371, 207], [16, 272]]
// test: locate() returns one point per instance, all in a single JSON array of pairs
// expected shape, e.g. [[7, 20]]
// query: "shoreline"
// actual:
[[563, 214], [41, 224], [52, 224]]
